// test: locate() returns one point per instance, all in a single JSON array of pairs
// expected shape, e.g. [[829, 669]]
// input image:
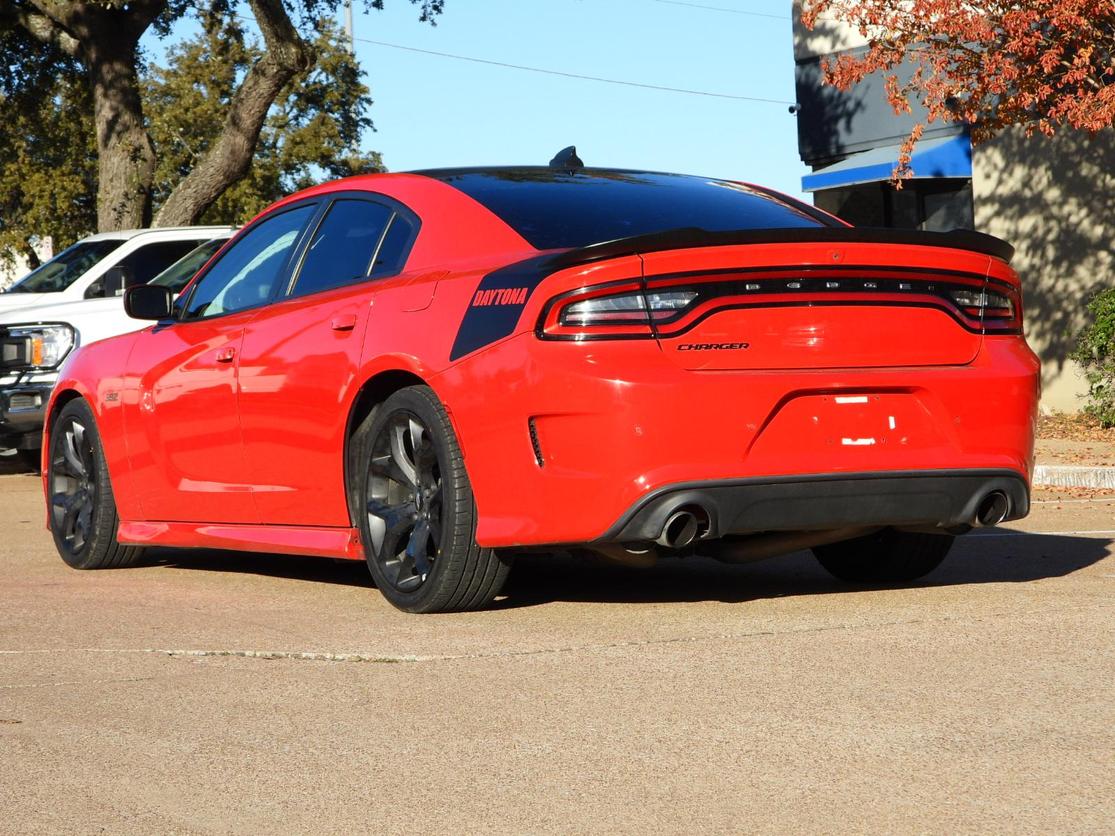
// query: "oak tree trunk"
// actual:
[[104, 36], [125, 154]]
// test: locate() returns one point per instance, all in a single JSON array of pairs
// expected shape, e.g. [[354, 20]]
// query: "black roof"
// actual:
[[556, 208]]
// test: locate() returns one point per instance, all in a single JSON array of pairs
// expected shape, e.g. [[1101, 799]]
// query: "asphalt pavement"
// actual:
[[212, 692]]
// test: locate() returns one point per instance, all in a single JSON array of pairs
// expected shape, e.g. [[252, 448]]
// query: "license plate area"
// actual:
[[852, 430]]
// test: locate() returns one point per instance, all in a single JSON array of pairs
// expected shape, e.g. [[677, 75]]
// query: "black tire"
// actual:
[[82, 509], [416, 512], [887, 556]]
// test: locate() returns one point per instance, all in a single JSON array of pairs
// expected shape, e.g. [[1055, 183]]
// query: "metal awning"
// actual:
[[949, 156]]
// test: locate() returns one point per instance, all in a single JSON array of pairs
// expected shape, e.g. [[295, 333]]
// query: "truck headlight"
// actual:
[[47, 345]]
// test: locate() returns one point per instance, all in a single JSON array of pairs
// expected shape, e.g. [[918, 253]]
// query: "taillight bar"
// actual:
[[667, 306]]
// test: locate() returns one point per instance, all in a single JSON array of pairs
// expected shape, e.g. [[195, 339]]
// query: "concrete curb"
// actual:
[[1074, 476]]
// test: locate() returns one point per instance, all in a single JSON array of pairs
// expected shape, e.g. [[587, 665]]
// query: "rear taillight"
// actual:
[[668, 306], [999, 309], [627, 307], [612, 310]]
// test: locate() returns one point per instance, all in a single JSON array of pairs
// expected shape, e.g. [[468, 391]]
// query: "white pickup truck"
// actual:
[[77, 298], [78, 272]]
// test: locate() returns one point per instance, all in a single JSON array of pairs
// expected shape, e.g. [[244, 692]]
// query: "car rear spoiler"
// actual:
[[691, 237]]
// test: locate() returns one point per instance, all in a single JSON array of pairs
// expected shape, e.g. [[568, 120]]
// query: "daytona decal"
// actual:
[[497, 304], [508, 296]]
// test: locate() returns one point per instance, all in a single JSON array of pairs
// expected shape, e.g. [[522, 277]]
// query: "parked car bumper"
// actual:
[[23, 402]]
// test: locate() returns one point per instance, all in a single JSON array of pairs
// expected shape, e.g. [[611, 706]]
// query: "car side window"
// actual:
[[395, 248], [343, 246], [246, 274]]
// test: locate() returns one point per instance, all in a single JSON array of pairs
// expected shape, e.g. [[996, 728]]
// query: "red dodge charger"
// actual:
[[437, 370]]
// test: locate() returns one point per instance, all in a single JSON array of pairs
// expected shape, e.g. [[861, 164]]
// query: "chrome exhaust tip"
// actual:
[[682, 528], [992, 509]]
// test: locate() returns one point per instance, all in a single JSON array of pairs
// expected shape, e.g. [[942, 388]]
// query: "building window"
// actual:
[[935, 205]]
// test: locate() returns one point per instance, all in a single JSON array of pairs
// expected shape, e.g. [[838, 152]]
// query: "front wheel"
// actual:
[[887, 556], [83, 516], [417, 515]]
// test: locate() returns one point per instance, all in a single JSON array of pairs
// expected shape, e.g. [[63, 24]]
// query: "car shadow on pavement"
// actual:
[[12, 464], [1003, 557], [978, 559], [308, 569]]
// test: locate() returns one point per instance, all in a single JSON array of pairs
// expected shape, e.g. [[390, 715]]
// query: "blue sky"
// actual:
[[432, 111]]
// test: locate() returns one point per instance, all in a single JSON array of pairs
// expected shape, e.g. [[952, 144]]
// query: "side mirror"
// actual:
[[149, 301], [116, 280]]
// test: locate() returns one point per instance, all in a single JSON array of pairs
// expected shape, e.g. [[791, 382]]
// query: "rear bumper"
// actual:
[[943, 499], [568, 442]]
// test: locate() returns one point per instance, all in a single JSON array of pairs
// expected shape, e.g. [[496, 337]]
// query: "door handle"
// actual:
[[226, 355], [343, 323]]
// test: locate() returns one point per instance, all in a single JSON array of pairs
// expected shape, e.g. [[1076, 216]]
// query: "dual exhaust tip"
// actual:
[[992, 509], [686, 525]]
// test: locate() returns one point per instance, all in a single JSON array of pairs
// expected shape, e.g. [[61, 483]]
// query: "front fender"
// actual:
[[95, 372]]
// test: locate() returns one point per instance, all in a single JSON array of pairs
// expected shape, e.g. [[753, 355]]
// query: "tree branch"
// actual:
[[141, 14], [230, 157], [44, 29]]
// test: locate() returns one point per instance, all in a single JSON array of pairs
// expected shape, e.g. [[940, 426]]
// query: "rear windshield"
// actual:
[[178, 275], [556, 209], [65, 268]]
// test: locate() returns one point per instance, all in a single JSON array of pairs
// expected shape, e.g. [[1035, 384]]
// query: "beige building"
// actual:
[[1053, 199]]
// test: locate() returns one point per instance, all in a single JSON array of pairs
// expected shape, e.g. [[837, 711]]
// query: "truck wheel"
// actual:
[[83, 516], [417, 515], [887, 556]]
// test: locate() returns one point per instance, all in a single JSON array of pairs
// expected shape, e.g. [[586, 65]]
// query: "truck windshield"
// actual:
[[178, 275], [65, 268]]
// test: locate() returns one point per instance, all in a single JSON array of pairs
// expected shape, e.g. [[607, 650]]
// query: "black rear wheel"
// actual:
[[887, 556], [417, 512], [83, 516]]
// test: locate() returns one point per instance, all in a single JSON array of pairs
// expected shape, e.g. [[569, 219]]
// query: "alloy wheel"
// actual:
[[404, 502], [73, 486]]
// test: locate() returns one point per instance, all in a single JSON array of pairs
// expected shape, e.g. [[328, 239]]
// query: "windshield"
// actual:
[[554, 209], [178, 275], [66, 267]]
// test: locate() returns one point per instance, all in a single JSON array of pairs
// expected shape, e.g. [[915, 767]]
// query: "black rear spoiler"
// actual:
[[691, 237]]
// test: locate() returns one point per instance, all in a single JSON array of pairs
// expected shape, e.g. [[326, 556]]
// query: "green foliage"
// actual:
[[310, 134], [48, 150], [1095, 351], [48, 163]]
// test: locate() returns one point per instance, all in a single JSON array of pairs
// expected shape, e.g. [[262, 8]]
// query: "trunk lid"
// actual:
[[818, 305]]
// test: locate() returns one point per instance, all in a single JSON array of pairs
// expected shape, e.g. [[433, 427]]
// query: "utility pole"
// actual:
[[348, 27]]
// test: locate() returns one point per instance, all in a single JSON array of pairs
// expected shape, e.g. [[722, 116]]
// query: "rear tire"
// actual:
[[82, 509], [887, 556], [416, 511]]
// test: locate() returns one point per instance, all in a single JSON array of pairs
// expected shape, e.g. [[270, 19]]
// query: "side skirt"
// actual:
[[313, 541]]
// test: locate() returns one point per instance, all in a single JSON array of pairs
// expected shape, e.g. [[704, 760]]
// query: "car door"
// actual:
[[181, 419], [300, 357]]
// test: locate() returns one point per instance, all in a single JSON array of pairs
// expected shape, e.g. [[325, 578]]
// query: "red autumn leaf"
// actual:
[[1046, 65]]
